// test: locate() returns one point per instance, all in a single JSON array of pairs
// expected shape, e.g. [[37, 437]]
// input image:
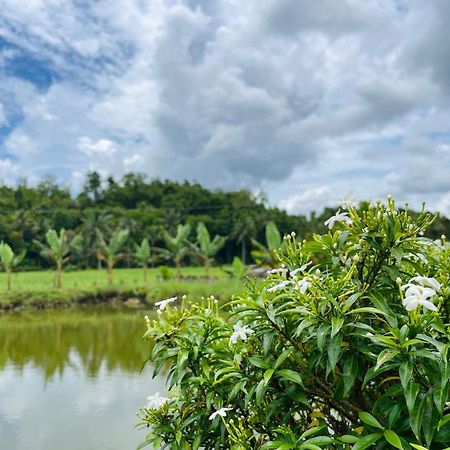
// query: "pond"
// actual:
[[71, 379]]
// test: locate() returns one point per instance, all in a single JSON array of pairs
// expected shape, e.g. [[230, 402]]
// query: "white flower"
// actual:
[[338, 217], [418, 295], [220, 412], [282, 271], [240, 332], [300, 269], [279, 286], [155, 401], [426, 282], [302, 285], [163, 303]]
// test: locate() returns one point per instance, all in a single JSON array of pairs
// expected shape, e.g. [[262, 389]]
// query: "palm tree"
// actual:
[[109, 251], [93, 221], [205, 248], [244, 230], [143, 255], [57, 249], [177, 246], [9, 260]]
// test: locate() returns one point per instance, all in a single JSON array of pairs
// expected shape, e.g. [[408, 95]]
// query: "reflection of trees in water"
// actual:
[[50, 341]]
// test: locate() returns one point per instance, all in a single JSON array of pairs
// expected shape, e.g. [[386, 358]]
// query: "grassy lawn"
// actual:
[[35, 289]]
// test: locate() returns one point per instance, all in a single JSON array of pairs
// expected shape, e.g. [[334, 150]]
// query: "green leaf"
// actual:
[[350, 372], [320, 440], [367, 441], [393, 439], [336, 325], [385, 356], [259, 362], [416, 417], [430, 419], [349, 439], [291, 375], [280, 360], [443, 421], [311, 431], [334, 350], [322, 333], [411, 391], [260, 391], [369, 420], [268, 375], [405, 372], [397, 252], [418, 447]]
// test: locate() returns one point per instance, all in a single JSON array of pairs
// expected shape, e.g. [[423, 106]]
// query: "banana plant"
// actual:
[[110, 250], [178, 246], [265, 255], [10, 260], [57, 249], [206, 248], [143, 255]]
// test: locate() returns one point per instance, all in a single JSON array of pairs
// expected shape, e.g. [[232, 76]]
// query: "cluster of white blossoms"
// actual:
[[163, 303], [419, 291], [302, 285], [156, 400], [240, 332], [338, 217]]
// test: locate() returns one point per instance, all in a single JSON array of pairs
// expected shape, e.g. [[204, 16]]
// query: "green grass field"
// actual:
[[35, 289]]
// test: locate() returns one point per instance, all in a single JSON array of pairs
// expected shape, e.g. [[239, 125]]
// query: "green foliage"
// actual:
[[178, 245], [266, 255], [110, 250], [205, 249], [9, 260], [57, 249], [345, 346], [238, 269]]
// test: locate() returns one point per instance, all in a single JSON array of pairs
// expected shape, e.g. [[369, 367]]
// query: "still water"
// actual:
[[71, 380]]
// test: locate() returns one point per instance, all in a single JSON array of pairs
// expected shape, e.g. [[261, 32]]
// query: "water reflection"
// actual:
[[70, 379]]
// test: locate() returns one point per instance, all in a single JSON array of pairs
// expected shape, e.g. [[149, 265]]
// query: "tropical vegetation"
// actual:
[[345, 345]]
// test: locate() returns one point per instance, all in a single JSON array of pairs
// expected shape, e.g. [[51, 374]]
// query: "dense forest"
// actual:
[[144, 207]]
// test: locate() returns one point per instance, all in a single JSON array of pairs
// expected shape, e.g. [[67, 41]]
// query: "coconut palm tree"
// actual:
[[10, 260], [110, 250]]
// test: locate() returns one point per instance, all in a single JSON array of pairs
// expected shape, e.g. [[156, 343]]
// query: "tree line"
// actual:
[[148, 209]]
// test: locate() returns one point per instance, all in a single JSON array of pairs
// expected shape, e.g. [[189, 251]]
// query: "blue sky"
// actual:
[[309, 101]]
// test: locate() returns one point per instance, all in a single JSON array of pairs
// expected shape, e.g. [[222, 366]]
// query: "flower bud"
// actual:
[[398, 281], [356, 258]]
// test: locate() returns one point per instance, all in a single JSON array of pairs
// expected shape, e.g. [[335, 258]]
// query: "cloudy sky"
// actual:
[[310, 101]]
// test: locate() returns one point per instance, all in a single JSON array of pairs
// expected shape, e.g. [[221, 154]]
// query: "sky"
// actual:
[[310, 102]]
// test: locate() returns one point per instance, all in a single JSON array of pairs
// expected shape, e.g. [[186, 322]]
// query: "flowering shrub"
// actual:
[[345, 346]]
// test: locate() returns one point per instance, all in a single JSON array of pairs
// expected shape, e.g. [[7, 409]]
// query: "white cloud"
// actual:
[[102, 147], [280, 96]]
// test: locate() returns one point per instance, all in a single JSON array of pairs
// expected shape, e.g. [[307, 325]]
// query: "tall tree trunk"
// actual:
[[9, 280], [110, 269], [207, 269], [244, 251], [177, 263], [58, 274]]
